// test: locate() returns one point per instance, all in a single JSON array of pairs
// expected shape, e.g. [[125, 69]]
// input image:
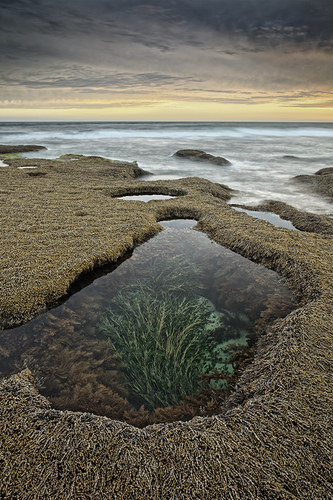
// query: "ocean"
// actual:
[[263, 156]]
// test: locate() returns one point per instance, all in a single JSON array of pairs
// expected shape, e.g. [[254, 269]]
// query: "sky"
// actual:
[[254, 60]]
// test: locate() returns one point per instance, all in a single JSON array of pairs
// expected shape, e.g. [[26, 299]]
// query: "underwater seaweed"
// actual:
[[161, 342], [161, 327], [174, 274]]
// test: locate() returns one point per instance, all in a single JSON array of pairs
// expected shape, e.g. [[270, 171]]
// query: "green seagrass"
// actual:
[[161, 327]]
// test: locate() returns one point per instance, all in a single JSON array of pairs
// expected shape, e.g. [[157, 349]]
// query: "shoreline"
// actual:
[[259, 170], [273, 438]]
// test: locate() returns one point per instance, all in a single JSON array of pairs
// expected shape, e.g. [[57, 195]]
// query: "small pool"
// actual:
[[269, 217]]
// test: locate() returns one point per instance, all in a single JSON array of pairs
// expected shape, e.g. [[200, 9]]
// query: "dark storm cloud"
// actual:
[[60, 48], [75, 77], [262, 21], [311, 19]]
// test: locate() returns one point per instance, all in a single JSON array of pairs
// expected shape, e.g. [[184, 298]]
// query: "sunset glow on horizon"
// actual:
[[171, 112], [167, 61]]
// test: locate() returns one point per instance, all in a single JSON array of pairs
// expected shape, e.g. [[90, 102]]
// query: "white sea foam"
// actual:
[[259, 152], [287, 132]]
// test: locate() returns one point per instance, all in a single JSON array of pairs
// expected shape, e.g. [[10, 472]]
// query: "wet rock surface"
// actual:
[[5, 149], [273, 437], [321, 182], [197, 155]]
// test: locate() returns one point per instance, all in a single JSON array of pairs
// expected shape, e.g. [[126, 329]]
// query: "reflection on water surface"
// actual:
[[269, 217], [179, 307], [146, 197]]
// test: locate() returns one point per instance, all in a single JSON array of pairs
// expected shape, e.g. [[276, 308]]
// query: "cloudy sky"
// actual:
[[166, 59]]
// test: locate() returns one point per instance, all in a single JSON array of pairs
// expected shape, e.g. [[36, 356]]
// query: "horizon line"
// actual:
[[166, 121]]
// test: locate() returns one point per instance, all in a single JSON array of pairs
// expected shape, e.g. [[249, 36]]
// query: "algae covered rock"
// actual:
[[325, 171], [197, 155], [6, 149], [303, 221]]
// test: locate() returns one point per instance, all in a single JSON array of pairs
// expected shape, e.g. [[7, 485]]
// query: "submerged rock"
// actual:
[[197, 155]]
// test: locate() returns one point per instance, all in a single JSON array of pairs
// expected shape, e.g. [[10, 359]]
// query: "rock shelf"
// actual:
[[273, 438]]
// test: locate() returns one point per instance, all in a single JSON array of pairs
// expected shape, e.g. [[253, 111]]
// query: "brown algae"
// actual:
[[273, 437]]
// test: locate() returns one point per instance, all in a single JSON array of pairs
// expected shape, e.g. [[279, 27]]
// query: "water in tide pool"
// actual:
[[180, 306], [264, 156]]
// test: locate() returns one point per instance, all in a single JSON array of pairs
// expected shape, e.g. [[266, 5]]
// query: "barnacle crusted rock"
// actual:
[[272, 440]]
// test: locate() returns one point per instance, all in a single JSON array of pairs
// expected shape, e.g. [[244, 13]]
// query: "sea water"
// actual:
[[263, 156]]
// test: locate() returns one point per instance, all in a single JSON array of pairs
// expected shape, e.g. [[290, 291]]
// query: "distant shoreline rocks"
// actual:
[[198, 155], [5, 149]]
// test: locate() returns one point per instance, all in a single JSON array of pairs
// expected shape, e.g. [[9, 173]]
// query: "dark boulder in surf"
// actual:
[[197, 155], [321, 182], [5, 149]]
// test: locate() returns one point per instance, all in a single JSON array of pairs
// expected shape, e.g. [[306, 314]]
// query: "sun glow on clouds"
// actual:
[[205, 102], [84, 94], [169, 110]]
